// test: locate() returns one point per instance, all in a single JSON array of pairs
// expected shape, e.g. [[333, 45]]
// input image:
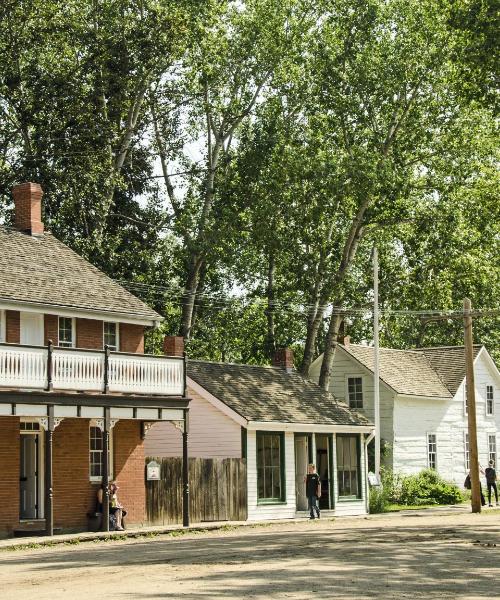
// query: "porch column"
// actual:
[[185, 471], [105, 469], [49, 483]]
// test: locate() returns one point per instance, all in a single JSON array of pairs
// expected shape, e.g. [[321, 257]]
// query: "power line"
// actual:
[[174, 293]]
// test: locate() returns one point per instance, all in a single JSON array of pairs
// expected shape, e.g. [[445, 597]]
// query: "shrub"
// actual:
[[378, 500], [427, 487]]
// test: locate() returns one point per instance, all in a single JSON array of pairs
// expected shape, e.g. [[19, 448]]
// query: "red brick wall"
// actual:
[[131, 338], [73, 494], [51, 329], [89, 334], [129, 469], [13, 327], [10, 467]]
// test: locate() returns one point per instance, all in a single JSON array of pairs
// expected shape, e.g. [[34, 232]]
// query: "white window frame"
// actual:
[[117, 325], [73, 332], [3, 327], [347, 397], [434, 452], [466, 452], [490, 437], [465, 399], [98, 478], [492, 399]]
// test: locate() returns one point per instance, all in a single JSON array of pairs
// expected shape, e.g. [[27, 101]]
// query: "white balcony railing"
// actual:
[[43, 368]]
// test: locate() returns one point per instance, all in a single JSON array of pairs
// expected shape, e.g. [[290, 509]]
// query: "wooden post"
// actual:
[[105, 470], [376, 370], [50, 349], [185, 471], [471, 408], [106, 369], [49, 484]]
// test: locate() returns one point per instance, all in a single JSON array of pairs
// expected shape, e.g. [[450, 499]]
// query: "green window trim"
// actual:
[[359, 494], [282, 498]]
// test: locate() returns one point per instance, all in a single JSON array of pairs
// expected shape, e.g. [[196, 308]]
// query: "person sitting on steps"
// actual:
[[116, 510]]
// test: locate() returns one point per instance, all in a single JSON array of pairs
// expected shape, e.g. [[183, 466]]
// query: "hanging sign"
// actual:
[[153, 471]]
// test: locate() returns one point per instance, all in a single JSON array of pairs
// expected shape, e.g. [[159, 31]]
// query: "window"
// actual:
[[96, 453], [66, 332], [348, 465], [431, 451], [492, 447], [111, 335], [489, 400], [465, 398], [270, 467], [355, 391], [2, 326], [467, 453]]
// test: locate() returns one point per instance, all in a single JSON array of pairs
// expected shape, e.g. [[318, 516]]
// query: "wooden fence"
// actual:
[[217, 491]]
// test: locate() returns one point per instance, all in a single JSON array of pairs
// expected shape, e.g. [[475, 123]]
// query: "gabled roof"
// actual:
[[427, 372], [271, 394], [449, 363], [42, 270]]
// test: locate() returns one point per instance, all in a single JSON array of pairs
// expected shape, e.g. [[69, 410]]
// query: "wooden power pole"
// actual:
[[376, 368], [471, 408]]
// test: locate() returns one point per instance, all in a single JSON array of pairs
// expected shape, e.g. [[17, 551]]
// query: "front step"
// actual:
[[33, 528]]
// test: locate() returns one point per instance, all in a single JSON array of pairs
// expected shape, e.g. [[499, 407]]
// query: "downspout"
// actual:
[[367, 486]]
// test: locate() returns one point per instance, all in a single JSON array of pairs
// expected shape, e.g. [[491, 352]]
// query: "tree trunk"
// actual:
[[313, 324], [330, 347], [270, 343], [189, 296]]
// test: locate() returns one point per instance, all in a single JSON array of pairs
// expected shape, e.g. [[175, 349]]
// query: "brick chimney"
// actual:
[[173, 345], [28, 208], [283, 358]]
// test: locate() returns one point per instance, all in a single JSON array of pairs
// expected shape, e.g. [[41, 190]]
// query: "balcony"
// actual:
[[95, 371]]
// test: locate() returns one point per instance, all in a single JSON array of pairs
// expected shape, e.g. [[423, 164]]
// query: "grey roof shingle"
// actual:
[[430, 372], [449, 364], [43, 270], [260, 393]]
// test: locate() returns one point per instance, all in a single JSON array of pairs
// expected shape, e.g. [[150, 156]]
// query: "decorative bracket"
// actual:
[[178, 425], [44, 422], [100, 423]]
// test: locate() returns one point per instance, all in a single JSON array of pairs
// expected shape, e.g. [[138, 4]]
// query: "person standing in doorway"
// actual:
[[491, 481], [313, 491]]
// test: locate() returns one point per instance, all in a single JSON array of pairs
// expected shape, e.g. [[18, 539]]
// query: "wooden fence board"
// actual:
[[217, 491]]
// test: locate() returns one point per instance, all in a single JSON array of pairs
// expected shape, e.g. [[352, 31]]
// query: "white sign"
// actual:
[[153, 471], [373, 480]]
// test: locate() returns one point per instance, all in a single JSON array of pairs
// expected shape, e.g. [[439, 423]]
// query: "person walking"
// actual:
[[491, 482], [313, 491]]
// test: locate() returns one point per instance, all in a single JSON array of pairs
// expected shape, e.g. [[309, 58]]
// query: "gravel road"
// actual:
[[412, 556]]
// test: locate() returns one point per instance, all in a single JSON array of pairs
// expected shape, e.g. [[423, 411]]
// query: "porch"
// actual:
[[77, 419]]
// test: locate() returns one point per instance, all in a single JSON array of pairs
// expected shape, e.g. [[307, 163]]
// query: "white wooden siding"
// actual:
[[261, 512], [414, 418], [345, 366], [212, 434]]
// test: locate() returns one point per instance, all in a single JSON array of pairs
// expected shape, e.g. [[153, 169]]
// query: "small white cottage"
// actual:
[[423, 413], [279, 422]]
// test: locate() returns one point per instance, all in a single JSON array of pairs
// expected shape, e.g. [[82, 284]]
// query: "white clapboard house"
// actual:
[[423, 412], [279, 422]]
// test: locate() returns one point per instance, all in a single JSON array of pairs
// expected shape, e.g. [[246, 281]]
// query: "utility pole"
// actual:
[[376, 373], [471, 408]]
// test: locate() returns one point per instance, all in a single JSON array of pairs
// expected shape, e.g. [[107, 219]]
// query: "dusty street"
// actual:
[[414, 556]]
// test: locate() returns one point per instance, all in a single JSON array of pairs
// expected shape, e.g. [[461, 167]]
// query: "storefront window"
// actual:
[[270, 476], [348, 466]]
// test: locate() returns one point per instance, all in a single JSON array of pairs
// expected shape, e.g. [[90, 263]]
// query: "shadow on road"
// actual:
[[388, 562]]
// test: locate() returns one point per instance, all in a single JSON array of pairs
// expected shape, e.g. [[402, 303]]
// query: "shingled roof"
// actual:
[[259, 393], [449, 363], [42, 270], [429, 372]]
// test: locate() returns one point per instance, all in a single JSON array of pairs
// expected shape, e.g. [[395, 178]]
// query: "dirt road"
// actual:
[[390, 557]]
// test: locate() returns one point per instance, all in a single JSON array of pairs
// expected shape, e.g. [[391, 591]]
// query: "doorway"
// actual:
[[302, 459], [324, 468], [30, 473], [31, 329]]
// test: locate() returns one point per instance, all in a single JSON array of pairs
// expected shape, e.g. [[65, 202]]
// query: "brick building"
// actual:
[[77, 392]]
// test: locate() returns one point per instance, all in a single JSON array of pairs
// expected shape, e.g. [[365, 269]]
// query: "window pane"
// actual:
[[110, 336], [65, 332], [347, 465], [269, 466]]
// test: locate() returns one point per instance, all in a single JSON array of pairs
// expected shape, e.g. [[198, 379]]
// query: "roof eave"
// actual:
[[64, 310], [298, 427]]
